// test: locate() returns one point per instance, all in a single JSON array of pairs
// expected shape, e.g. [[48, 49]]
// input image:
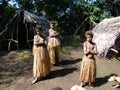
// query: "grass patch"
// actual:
[[63, 50], [23, 55], [5, 76]]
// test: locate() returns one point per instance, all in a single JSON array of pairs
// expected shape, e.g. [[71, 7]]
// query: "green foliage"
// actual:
[[70, 39], [7, 11], [68, 14], [109, 6], [26, 4], [63, 50]]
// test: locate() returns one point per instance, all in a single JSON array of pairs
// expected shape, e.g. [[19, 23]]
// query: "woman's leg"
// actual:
[[91, 84], [82, 84], [35, 80]]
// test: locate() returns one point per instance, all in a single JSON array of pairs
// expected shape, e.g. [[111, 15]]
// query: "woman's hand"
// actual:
[[56, 33], [90, 56], [91, 50]]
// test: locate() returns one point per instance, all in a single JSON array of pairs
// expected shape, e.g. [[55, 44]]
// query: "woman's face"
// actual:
[[52, 25], [38, 32], [88, 38]]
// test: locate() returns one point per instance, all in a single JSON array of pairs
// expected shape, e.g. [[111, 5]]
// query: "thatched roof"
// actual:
[[87, 24], [105, 35], [20, 28], [32, 18], [27, 17]]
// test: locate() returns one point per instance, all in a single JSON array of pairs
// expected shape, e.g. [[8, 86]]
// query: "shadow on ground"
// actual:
[[67, 62], [11, 68], [102, 80], [60, 73]]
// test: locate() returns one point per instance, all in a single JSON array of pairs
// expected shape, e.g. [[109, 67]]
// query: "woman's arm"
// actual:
[[94, 50], [56, 33], [37, 41], [86, 51], [53, 33]]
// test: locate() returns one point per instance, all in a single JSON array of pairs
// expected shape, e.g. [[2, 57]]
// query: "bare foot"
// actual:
[[115, 86], [91, 85], [34, 81], [82, 84]]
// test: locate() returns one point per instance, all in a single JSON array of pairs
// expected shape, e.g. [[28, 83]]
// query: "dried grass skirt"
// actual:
[[41, 64], [54, 50], [88, 70]]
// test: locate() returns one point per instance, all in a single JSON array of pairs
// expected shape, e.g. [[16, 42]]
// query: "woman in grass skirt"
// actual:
[[41, 65], [88, 65], [54, 45]]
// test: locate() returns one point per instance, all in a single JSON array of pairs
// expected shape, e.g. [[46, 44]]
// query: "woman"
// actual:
[[54, 45], [41, 65], [88, 65]]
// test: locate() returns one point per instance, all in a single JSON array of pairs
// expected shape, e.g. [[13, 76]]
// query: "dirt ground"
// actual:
[[16, 73]]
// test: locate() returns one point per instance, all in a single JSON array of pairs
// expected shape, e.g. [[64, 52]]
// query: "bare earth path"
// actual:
[[17, 75]]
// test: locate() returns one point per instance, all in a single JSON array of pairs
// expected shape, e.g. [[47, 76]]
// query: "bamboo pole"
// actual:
[[9, 40], [3, 31], [114, 50]]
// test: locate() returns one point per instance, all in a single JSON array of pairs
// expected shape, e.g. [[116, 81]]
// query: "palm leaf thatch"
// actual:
[[39, 20], [107, 36], [19, 30]]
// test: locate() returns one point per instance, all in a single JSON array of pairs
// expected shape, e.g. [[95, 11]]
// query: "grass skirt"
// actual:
[[41, 65], [88, 70], [54, 50], [53, 41]]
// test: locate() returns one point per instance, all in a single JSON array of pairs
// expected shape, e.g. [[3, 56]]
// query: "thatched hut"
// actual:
[[87, 24], [19, 31], [107, 36]]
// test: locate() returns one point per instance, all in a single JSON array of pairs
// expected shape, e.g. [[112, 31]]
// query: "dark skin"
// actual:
[[52, 28], [38, 32], [91, 51]]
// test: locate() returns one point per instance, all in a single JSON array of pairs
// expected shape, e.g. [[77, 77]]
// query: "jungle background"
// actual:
[[68, 14], [16, 66]]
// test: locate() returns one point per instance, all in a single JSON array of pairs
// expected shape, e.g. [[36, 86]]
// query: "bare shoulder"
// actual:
[[49, 29], [93, 43], [35, 35], [85, 42]]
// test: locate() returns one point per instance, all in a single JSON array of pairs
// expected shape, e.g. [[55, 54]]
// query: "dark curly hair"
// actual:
[[90, 33], [38, 28], [57, 88], [52, 22]]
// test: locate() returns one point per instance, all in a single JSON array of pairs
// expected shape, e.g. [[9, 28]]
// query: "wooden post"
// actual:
[[76, 31], [9, 45], [27, 36], [17, 36]]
